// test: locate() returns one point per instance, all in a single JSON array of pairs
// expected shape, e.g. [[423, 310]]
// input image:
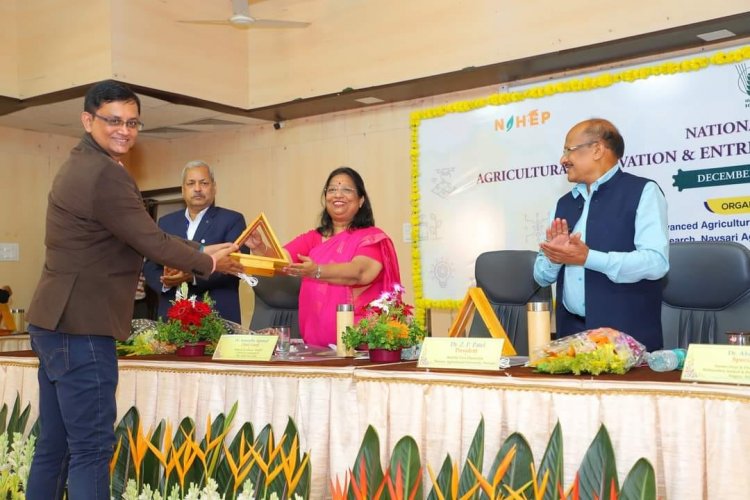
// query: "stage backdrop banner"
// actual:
[[486, 173]]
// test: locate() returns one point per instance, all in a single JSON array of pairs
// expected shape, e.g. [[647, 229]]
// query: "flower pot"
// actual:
[[385, 355], [193, 349]]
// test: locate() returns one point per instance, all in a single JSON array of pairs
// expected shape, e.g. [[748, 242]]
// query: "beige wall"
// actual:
[[150, 48], [366, 43], [28, 161], [62, 44], [8, 49], [66, 43]]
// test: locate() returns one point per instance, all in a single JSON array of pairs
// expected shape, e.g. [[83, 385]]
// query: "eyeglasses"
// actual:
[[567, 151], [346, 191], [119, 122]]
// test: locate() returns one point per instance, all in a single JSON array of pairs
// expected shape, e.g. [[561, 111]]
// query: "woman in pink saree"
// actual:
[[346, 260]]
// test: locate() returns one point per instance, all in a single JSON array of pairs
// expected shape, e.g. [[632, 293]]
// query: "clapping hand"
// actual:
[[563, 248]]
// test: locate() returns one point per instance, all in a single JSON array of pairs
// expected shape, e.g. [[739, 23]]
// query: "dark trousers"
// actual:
[[77, 382]]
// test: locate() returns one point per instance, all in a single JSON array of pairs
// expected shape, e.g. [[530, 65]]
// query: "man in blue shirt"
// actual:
[[609, 270]]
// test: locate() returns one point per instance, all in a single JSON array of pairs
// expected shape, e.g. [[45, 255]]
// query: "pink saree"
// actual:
[[318, 299]]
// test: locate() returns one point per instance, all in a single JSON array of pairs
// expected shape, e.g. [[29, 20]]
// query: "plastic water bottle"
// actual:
[[667, 360]]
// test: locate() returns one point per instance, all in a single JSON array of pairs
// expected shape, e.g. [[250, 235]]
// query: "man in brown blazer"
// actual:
[[97, 233]]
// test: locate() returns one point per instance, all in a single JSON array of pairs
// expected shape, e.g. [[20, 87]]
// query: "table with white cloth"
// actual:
[[15, 342], [693, 434]]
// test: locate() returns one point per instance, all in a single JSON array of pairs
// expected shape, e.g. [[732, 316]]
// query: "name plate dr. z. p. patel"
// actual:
[[461, 353], [727, 364]]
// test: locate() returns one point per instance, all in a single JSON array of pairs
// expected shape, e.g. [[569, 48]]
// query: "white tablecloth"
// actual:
[[19, 342], [692, 433]]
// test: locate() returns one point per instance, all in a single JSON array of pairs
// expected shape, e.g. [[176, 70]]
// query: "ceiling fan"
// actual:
[[242, 19]]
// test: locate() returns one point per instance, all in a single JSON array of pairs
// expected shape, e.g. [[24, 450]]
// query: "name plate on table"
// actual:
[[461, 353], [725, 364], [245, 348]]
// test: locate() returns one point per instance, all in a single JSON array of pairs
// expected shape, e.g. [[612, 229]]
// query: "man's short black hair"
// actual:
[[109, 91]]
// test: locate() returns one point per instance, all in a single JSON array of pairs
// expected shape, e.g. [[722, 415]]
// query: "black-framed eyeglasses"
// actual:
[[119, 122], [568, 150]]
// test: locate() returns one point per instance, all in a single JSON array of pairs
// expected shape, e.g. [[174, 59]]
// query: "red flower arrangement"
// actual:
[[190, 321]]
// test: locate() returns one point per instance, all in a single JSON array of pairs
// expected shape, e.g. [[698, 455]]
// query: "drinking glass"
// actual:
[[282, 344]]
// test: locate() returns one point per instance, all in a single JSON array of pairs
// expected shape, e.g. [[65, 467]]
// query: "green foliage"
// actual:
[[16, 450], [518, 475], [514, 478], [18, 419], [598, 470], [178, 464], [367, 469], [640, 483], [474, 456], [552, 463], [604, 359], [388, 323], [173, 331], [381, 333], [405, 458]]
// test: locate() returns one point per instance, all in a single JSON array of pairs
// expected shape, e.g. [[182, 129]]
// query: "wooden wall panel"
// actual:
[[62, 44], [28, 162], [369, 43], [8, 49], [151, 48]]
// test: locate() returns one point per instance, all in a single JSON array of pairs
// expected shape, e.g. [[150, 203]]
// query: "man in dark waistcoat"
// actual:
[[609, 270]]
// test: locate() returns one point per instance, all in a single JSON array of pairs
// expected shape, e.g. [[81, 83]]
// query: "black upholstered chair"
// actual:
[[707, 293], [507, 279], [276, 303]]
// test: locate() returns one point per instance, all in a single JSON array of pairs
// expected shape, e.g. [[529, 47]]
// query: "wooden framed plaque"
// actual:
[[274, 258], [476, 301], [7, 322]]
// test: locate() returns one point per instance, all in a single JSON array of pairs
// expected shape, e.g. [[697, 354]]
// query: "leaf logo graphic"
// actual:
[[743, 78], [509, 124]]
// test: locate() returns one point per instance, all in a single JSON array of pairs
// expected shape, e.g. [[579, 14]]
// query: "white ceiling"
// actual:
[[163, 120]]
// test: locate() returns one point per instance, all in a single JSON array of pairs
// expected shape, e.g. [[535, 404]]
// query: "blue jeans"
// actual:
[[77, 382]]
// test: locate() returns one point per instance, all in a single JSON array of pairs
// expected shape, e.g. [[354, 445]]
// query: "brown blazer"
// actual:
[[97, 234]]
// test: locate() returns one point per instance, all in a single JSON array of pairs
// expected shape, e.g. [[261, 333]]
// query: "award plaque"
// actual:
[[476, 300], [273, 258]]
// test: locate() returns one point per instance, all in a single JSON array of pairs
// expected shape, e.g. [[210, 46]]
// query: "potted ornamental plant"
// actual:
[[192, 325], [387, 327]]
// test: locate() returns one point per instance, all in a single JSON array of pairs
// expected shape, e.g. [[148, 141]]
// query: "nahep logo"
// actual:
[[533, 118]]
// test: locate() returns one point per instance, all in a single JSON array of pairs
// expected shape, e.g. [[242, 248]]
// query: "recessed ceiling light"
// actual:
[[716, 35], [369, 100]]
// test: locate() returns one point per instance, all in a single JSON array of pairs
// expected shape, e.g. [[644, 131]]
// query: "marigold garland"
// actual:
[[548, 89]]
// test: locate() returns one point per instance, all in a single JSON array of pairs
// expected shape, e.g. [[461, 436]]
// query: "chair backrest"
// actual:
[[276, 303], [507, 279], [707, 293]]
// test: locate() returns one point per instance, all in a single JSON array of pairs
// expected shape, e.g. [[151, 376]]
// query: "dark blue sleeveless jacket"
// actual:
[[633, 308]]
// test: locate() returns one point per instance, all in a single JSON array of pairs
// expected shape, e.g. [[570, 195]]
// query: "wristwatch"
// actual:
[[317, 273]]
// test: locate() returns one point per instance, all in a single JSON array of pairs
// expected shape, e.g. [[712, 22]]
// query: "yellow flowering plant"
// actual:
[[388, 323]]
